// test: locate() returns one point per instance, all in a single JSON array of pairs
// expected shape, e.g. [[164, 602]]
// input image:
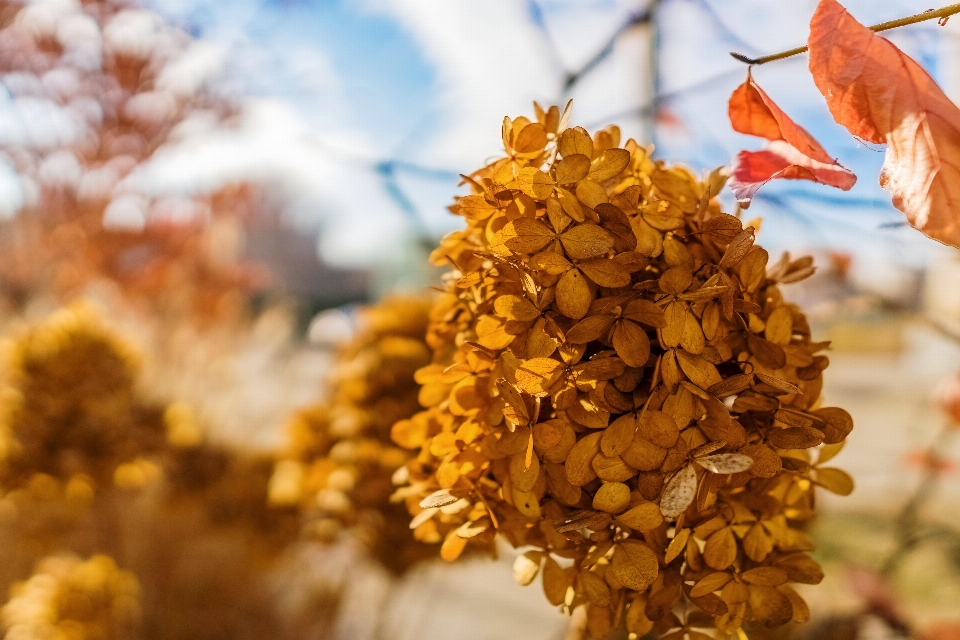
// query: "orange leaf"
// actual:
[[754, 113], [573, 295], [793, 154], [679, 493], [526, 235], [882, 95], [536, 376]]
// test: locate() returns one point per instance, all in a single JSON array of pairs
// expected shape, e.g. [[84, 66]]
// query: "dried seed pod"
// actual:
[[617, 380]]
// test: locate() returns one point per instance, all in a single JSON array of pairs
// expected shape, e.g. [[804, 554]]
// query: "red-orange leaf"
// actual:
[[792, 154], [880, 94]]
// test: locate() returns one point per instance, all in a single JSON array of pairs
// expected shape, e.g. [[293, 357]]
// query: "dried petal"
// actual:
[[679, 493], [572, 168], [525, 569], [579, 468], [611, 497], [573, 295], [634, 565], [609, 164], [619, 435], [659, 428], [712, 582], [643, 517], [721, 549], [437, 499], [585, 240], [525, 235], [538, 375], [766, 576], [575, 141], [835, 481], [725, 462], [631, 343]]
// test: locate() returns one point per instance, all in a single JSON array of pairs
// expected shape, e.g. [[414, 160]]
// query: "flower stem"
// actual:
[[909, 525], [941, 14]]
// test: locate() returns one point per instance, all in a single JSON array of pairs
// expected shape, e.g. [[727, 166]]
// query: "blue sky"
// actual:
[[271, 43], [428, 82]]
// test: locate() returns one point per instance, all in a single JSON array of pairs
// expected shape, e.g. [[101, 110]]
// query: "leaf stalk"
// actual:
[[931, 14]]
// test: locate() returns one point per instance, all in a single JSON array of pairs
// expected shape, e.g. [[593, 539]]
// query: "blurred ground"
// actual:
[[888, 393]]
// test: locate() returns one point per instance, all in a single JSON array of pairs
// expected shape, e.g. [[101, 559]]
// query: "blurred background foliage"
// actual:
[[198, 199]]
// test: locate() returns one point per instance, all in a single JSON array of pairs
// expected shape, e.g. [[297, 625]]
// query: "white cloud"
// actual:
[[492, 61], [337, 191], [37, 123], [127, 212], [192, 69], [60, 169], [150, 108], [42, 17], [11, 191], [139, 34]]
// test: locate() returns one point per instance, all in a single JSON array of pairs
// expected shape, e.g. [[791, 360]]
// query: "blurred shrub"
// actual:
[[69, 404], [69, 598], [340, 461], [91, 467]]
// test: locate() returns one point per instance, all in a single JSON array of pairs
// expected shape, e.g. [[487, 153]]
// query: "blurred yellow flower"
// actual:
[[69, 403], [72, 599]]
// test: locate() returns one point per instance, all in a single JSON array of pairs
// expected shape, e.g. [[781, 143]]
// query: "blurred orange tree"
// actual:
[[96, 81]]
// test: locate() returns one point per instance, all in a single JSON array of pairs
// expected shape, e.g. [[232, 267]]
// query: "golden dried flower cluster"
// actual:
[[69, 407], [230, 490], [340, 459], [70, 598], [92, 465], [619, 384]]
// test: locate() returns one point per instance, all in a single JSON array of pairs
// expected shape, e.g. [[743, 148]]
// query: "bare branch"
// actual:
[[941, 14], [635, 20]]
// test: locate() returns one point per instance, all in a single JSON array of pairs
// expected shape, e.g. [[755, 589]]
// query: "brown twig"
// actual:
[[944, 329], [941, 14], [910, 531]]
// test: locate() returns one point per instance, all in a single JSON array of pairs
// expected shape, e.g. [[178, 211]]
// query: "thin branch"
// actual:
[[637, 19], [946, 330], [540, 21], [941, 14], [651, 107], [387, 172], [719, 21], [909, 524]]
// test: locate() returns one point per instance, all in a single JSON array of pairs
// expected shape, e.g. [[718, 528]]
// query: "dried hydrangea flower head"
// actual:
[[340, 461], [69, 402], [71, 598], [619, 384]]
